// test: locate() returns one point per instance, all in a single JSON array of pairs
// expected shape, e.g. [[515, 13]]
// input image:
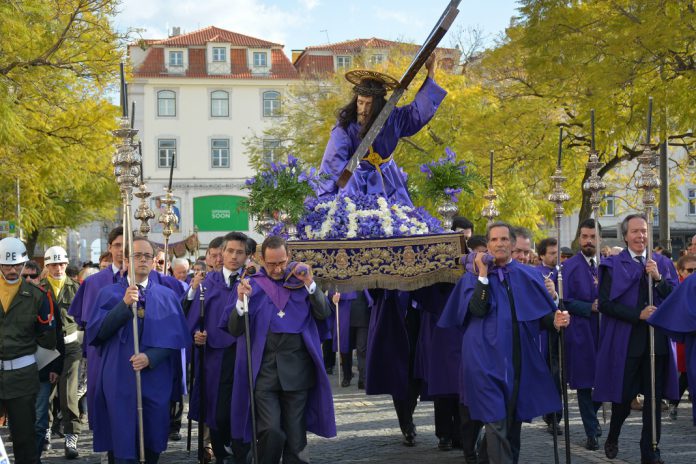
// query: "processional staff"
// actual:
[[168, 219], [126, 163], [595, 186], [558, 197], [490, 211], [649, 182], [144, 213]]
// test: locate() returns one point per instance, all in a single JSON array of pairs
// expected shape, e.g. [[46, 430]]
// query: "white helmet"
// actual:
[[55, 255], [12, 251]]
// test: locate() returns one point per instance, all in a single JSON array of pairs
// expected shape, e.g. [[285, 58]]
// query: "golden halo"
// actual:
[[357, 75]]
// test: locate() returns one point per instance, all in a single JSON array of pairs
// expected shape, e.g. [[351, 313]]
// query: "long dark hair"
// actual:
[[349, 113]]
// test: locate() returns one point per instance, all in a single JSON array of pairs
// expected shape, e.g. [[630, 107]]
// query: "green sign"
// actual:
[[218, 213]]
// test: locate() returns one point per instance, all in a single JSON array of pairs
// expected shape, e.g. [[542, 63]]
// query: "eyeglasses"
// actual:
[[8, 266], [141, 256], [34, 276], [690, 270], [275, 265]]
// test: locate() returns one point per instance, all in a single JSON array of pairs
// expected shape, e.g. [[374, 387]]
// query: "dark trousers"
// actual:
[[636, 380], [221, 434], [503, 441], [358, 339], [21, 412], [447, 421], [553, 362], [280, 425], [471, 430], [176, 411], [588, 411], [328, 354], [405, 407], [683, 385]]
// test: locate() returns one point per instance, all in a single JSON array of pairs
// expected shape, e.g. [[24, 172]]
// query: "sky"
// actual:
[[301, 23]]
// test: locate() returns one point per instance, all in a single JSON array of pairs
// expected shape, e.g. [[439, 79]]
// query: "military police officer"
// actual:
[[26, 322]]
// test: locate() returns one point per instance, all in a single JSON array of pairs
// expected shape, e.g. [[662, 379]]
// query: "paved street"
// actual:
[[368, 432]]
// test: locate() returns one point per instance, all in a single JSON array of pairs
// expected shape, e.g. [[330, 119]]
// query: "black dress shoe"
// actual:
[[346, 381], [410, 439], [445, 444], [174, 436], [652, 461], [611, 449], [361, 384], [591, 444]]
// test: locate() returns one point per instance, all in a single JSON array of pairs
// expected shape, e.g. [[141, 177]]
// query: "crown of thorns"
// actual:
[[359, 76]]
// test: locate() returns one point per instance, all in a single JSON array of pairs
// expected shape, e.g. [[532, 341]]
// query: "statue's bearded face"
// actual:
[[364, 109]]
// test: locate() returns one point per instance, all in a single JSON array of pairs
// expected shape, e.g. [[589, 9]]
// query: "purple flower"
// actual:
[[250, 181], [453, 193], [451, 156]]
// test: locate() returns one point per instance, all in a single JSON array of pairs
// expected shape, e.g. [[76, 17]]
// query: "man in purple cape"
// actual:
[[505, 379], [291, 388], [580, 293], [162, 333], [377, 172], [677, 316], [83, 305], [353, 323], [220, 347], [624, 352]]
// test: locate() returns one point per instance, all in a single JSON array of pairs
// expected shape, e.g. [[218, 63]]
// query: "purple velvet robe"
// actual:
[[582, 335], [218, 296], [267, 299], [677, 316], [402, 122], [544, 335], [115, 413], [81, 309], [387, 359], [438, 354], [487, 371], [615, 333]]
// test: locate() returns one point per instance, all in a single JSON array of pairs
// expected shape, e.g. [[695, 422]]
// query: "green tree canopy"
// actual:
[[56, 60]]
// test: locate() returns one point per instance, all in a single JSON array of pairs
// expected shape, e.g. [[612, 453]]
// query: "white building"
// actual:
[[197, 96], [618, 203]]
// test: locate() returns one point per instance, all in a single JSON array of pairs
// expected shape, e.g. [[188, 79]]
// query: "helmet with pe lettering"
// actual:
[[12, 251], [56, 255]]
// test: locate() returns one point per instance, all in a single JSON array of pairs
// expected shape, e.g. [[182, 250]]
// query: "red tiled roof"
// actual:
[[214, 34], [317, 64], [153, 66]]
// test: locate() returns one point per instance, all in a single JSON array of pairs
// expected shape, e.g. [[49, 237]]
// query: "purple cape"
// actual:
[[217, 297], [677, 316], [487, 372], [402, 122], [615, 333], [438, 354], [582, 334], [164, 326], [319, 412], [81, 309], [387, 359]]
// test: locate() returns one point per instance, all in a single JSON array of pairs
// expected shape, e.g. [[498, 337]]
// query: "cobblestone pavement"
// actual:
[[368, 432]]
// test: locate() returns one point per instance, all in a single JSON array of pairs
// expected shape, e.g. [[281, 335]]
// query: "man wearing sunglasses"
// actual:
[[32, 272], [63, 290], [26, 322]]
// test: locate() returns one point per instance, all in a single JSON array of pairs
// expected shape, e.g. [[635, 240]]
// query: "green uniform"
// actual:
[[27, 323]]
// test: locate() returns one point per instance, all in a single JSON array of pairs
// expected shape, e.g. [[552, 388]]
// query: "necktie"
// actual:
[[640, 259], [233, 279]]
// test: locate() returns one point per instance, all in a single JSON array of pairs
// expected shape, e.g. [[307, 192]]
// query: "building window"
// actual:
[[270, 148], [608, 206], [260, 59], [691, 197], [219, 54], [271, 104], [167, 150], [343, 62], [220, 153], [219, 104], [377, 59], [176, 58], [166, 103]]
